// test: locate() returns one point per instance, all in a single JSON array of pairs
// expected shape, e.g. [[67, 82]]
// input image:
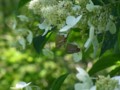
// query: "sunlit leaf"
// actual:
[[114, 71], [104, 62]]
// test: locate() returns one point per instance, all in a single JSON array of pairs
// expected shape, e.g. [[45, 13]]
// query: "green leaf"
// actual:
[[119, 39], [40, 41], [109, 42], [58, 82], [114, 72], [105, 61], [22, 3]]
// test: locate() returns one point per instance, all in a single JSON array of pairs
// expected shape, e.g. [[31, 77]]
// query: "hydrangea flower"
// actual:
[[91, 7], [45, 26], [91, 36], [71, 21], [103, 83], [83, 76]]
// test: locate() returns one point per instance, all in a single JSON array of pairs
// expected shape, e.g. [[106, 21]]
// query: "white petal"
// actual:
[[45, 32], [91, 32], [22, 84], [42, 26], [23, 18], [117, 78], [88, 43], [78, 18], [65, 28], [77, 56], [22, 42], [30, 37], [82, 75], [81, 86], [78, 86], [91, 7], [28, 84], [70, 20], [80, 70], [76, 7], [93, 88], [111, 27], [95, 45]]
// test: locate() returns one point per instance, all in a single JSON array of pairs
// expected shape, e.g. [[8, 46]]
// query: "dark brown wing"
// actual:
[[72, 48], [60, 40]]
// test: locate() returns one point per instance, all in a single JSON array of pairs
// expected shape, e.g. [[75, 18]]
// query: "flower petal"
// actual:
[[65, 28], [117, 78], [93, 88], [88, 43], [22, 84], [70, 20]]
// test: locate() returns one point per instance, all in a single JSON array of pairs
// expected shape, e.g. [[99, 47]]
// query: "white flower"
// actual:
[[81, 86], [21, 85], [95, 45], [111, 27], [45, 26], [117, 78], [93, 88], [91, 7], [83, 76], [76, 7], [71, 21], [91, 37]]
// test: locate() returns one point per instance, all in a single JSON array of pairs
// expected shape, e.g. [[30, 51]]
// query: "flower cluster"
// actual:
[[53, 11], [103, 83], [67, 14]]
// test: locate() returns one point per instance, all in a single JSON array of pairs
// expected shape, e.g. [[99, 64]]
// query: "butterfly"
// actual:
[[72, 48], [60, 40]]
